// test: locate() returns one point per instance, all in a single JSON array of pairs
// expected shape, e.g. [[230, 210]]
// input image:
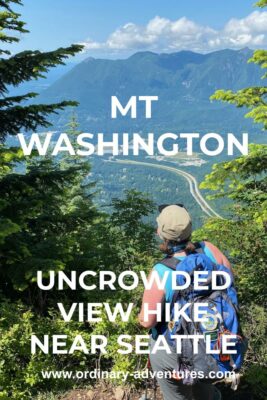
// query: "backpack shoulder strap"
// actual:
[[170, 262], [198, 245]]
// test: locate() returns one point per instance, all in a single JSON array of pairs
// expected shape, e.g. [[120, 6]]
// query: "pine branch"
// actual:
[[14, 119], [9, 101], [261, 3], [7, 52], [5, 3], [252, 98], [23, 67], [260, 58], [247, 97], [29, 65], [10, 21]]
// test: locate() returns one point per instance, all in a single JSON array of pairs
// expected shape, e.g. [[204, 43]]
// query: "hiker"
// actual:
[[175, 230]]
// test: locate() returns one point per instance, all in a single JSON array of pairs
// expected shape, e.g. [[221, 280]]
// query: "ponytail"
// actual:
[[166, 248], [190, 248]]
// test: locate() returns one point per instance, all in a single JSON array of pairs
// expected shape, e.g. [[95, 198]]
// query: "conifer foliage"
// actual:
[[15, 69], [243, 236]]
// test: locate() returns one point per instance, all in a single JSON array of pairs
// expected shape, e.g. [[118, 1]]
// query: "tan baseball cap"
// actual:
[[174, 223]]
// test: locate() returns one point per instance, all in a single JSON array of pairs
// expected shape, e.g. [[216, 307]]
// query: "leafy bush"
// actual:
[[20, 371]]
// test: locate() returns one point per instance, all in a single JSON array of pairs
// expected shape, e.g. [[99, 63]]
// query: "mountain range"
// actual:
[[183, 82]]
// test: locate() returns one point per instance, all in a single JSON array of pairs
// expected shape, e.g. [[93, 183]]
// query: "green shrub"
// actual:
[[20, 371]]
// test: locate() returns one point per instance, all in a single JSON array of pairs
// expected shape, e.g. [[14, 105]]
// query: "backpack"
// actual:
[[221, 318]]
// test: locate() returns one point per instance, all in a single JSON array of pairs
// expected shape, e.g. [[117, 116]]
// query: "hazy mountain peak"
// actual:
[[183, 82]]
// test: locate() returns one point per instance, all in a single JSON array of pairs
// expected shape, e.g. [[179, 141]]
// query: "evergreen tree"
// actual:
[[48, 221], [243, 236], [44, 207], [261, 3], [15, 115]]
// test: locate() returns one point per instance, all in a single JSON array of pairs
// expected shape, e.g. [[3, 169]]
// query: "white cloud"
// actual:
[[163, 35]]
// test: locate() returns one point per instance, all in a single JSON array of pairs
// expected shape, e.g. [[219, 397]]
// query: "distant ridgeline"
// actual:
[[183, 82]]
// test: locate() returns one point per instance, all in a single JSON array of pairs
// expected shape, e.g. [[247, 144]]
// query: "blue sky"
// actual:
[[116, 28]]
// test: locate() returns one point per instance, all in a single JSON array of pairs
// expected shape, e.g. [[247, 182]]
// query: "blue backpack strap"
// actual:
[[197, 245]]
